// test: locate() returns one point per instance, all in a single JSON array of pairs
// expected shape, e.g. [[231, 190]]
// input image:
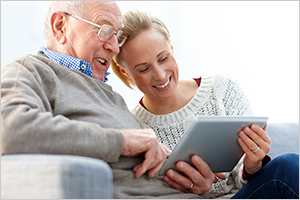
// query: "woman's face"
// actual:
[[149, 61]]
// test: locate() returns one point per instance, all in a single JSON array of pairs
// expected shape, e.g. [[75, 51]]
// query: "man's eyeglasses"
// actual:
[[105, 32]]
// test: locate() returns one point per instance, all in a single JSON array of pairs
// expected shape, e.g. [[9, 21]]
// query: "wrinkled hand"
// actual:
[[144, 142], [202, 179], [250, 138]]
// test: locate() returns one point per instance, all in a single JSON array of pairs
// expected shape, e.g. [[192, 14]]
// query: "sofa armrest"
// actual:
[[43, 176]]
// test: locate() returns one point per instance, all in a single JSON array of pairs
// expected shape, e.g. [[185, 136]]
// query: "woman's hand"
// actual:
[[144, 142], [256, 144], [194, 181]]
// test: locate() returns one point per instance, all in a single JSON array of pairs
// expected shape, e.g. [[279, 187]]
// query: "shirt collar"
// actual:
[[70, 62]]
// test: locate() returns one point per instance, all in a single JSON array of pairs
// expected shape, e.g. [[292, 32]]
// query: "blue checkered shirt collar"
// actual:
[[70, 62]]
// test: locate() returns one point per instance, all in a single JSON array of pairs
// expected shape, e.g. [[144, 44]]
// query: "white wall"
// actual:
[[255, 42]]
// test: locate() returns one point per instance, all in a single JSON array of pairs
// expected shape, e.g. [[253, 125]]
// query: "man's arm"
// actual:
[[28, 124]]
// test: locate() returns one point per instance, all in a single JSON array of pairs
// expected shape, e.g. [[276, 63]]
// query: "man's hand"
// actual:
[[144, 142], [194, 181]]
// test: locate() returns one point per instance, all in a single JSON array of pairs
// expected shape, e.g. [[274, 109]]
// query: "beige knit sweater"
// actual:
[[217, 95]]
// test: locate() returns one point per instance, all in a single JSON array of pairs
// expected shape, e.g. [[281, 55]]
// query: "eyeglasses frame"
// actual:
[[114, 32]]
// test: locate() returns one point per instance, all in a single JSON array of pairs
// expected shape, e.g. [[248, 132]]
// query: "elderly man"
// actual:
[[57, 102]]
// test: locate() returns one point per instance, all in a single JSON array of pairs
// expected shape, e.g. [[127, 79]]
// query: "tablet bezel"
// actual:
[[219, 146]]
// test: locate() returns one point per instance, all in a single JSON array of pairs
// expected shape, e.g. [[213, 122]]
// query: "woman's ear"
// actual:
[[123, 71], [58, 26]]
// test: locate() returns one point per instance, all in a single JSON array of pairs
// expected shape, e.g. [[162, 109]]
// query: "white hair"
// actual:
[[73, 7]]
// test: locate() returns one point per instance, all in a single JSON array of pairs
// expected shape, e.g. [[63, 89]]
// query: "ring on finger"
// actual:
[[254, 151], [191, 187]]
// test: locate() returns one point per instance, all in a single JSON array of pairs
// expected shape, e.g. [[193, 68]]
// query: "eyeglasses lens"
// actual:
[[121, 38], [107, 31]]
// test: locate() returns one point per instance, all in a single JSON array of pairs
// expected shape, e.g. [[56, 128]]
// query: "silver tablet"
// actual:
[[214, 139]]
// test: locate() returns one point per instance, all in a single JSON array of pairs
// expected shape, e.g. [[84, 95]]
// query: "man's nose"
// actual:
[[112, 44]]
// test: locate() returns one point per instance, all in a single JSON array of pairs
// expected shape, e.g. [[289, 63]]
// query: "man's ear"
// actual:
[[58, 26], [123, 71]]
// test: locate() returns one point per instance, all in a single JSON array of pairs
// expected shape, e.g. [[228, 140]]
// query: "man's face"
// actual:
[[82, 41]]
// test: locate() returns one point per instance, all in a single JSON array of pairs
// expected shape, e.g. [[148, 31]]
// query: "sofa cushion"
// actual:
[[285, 138], [38, 176]]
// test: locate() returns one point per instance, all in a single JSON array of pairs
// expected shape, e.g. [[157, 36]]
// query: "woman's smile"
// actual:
[[163, 86]]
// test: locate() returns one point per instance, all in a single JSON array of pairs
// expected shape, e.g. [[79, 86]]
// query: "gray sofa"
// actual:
[[36, 176]]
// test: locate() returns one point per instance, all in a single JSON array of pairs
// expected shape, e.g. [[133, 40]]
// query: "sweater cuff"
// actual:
[[247, 176]]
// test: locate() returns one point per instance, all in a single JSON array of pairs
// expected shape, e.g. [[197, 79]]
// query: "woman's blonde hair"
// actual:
[[135, 22]]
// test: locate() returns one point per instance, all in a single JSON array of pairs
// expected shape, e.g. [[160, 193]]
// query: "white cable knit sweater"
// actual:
[[217, 95]]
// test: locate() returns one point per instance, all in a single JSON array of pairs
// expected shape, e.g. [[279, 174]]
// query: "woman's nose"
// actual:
[[159, 73]]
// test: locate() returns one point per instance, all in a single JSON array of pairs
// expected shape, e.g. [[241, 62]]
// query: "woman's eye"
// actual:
[[143, 70], [162, 60]]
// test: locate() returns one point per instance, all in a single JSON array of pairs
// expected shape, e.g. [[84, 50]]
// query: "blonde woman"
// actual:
[[147, 61]]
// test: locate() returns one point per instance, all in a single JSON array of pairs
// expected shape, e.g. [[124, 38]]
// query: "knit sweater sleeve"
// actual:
[[234, 98], [235, 103], [30, 125]]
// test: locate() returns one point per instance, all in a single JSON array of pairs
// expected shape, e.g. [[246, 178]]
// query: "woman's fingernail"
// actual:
[[254, 126], [196, 158], [180, 165]]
